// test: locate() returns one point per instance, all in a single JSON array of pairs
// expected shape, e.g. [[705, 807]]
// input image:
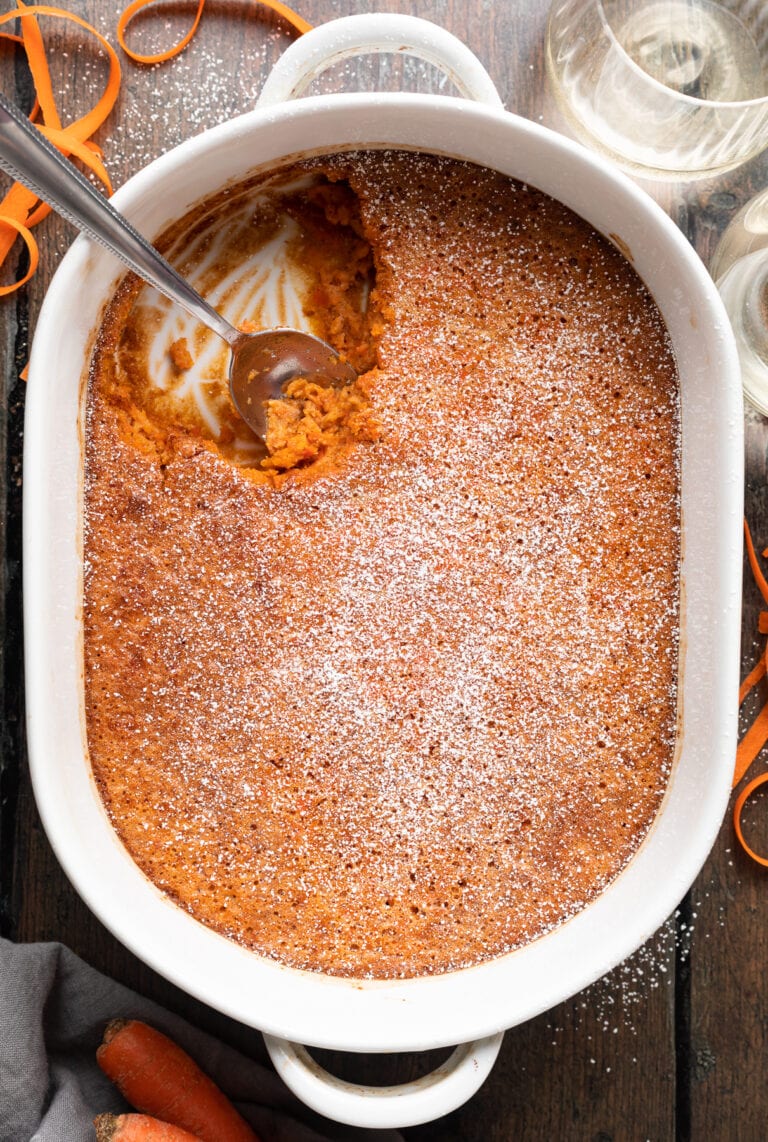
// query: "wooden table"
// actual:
[[672, 1044]]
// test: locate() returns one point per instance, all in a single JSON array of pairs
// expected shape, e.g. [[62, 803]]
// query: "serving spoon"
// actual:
[[260, 363]]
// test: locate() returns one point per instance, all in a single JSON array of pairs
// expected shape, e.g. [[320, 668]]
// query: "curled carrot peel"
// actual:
[[34, 254], [738, 808], [137, 6], [756, 736], [21, 209], [159, 1079]]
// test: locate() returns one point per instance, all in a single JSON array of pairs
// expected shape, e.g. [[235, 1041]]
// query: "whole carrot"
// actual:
[[138, 1128], [159, 1079]]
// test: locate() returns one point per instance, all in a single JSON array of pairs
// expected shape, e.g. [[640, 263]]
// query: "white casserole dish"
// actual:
[[472, 1006]]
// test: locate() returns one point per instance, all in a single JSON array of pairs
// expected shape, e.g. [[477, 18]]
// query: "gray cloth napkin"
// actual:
[[53, 1010]]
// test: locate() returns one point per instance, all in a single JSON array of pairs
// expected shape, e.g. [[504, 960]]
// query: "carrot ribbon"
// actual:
[[21, 209], [137, 6], [756, 736]]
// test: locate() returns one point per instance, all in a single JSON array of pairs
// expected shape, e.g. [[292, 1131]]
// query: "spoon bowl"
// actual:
[[261, 363]]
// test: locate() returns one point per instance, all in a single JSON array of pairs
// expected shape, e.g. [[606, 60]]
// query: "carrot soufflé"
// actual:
[[396, 694]]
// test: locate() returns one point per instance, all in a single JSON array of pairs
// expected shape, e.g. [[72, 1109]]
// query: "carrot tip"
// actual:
[[113, 1028]]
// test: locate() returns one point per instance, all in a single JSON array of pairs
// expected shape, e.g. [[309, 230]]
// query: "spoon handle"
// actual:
[[29, 158]]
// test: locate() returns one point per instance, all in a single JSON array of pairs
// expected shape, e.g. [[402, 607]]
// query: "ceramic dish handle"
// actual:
[[408, 1104], [349, 36], [457, 1079]]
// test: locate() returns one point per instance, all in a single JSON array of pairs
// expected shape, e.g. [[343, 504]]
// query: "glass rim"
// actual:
[[691, 100]]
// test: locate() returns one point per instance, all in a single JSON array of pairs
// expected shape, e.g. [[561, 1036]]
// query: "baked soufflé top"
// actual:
[[399, 695]]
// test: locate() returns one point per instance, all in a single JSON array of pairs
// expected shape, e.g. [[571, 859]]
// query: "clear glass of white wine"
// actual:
[[669, 89], [740, 269]]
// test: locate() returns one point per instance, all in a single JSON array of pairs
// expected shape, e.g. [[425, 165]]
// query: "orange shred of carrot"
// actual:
[[760, 579], [746, 793], [34, 47], [756, 737], [754, 676], [34, 253], [21, 209], [297, 22]]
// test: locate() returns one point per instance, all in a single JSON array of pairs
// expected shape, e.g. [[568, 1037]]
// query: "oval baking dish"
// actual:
[[477, 1003]]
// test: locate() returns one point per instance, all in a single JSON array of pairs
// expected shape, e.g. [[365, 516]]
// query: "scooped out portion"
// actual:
[[291, 254], [313, 420]]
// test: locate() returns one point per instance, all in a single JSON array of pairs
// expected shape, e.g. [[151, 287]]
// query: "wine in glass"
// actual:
[[674, 89]]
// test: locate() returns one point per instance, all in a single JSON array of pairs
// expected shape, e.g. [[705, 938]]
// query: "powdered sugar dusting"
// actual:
[[416, 711]]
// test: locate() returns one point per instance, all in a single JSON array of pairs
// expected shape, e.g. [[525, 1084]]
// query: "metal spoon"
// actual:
[[260, 364]]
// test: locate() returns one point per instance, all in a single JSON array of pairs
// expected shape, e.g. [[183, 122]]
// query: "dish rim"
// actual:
[[438, 1010]]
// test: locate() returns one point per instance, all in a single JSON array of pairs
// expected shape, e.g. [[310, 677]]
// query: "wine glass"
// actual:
[[740, 269], [674, 89]]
